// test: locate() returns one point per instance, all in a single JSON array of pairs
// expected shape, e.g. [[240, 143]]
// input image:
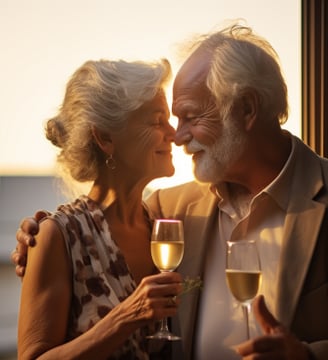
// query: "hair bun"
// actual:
[[55, 132]]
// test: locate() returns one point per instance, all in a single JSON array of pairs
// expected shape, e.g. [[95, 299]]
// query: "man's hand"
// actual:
[[277, 343], [25, 237]]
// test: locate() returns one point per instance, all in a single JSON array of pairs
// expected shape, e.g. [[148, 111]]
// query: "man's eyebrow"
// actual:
[[185, 107]]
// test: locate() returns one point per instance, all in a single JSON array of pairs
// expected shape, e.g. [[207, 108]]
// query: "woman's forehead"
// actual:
[[156, 105]]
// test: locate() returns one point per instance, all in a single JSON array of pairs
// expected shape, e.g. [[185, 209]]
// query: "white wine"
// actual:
[[243, 284], [167, 255]]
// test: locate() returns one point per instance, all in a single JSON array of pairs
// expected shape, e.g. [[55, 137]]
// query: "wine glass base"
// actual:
[[164, 335]]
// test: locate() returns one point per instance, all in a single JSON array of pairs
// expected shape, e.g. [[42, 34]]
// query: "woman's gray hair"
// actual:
[[242, 60], [101, 94]]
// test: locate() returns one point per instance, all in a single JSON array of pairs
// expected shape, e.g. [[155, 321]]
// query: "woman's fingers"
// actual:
[[157, 296]]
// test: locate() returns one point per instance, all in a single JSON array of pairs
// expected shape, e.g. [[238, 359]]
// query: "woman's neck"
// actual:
[[120, 202]]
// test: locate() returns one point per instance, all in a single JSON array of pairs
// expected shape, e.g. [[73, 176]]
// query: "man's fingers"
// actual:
[[14, 257], [39, 215], [267, 321], [20, 271], [24, 239], [277, 343], [29, 225], [261, 345]]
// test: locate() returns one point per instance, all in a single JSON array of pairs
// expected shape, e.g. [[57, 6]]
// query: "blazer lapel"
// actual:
[[298, 244], [198, 223], [302, 227]]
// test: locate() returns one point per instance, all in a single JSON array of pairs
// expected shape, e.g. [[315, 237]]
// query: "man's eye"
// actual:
[[191, 119]]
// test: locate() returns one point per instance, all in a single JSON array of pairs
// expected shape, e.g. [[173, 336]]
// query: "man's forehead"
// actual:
[[195, 68]]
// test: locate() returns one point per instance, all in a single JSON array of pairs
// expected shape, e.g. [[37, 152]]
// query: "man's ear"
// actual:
[[103, 140], [250, 107]]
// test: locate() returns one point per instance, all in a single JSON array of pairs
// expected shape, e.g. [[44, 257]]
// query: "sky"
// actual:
[[44, 41]]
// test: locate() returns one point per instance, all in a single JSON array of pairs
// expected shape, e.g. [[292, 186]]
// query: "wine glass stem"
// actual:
[[164, 326], [246, 314]]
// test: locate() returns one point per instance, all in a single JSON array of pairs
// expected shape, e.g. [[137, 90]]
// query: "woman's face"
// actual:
[[143, 149]]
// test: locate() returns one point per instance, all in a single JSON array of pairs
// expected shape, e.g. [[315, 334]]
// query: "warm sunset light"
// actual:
[[44, 41]]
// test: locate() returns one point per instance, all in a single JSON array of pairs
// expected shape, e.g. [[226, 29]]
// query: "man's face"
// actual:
[[215, 142], [215, 163]]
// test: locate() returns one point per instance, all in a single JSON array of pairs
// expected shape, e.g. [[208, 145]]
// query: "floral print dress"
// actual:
[[101, 278]]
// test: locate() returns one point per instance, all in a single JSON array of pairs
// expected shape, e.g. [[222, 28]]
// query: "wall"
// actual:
[[19, 196]]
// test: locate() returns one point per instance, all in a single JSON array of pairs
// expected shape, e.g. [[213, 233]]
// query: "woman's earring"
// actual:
[[110, 162]]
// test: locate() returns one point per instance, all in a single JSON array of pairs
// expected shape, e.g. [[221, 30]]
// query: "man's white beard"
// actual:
[[217, 159]]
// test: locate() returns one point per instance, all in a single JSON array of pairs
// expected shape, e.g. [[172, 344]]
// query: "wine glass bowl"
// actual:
[[167, 245], [243, 285], [243, 273]]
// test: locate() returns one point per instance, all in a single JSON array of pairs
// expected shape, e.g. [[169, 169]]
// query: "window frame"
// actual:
[[315, 75]]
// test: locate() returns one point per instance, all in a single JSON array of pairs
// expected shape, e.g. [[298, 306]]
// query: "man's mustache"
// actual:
[[193, 146]]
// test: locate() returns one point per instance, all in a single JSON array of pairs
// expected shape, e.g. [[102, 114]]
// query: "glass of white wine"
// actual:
[[243, 273], [167, 247]]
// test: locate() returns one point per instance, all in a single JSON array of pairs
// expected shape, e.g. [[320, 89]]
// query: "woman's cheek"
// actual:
[[147, 140]]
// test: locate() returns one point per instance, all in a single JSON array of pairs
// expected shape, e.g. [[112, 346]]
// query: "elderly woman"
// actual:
[[91, 290]]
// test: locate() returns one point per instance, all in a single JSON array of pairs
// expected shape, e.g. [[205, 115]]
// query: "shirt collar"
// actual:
[[278, 189]]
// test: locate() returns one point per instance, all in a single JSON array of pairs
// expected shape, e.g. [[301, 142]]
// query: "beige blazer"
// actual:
[[302, 296]]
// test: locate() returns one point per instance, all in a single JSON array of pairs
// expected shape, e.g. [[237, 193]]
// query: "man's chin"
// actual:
[[201, 178], [204, 175]]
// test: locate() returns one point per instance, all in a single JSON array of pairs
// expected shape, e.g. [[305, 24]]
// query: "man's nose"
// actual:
[[170, 133], [182, 135]]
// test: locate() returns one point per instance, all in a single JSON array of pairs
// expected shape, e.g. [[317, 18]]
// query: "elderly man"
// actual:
[[230, 99]]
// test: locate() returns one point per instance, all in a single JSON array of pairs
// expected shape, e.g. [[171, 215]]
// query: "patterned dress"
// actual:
[[101, 278]]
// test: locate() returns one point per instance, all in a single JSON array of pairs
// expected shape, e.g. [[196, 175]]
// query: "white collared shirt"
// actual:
[[221, 324]]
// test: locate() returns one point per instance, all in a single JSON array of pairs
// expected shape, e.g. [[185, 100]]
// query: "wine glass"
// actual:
[[243, 273], [167, 247]]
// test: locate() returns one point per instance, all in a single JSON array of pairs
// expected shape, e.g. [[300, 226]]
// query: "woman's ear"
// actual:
[[103, 140]]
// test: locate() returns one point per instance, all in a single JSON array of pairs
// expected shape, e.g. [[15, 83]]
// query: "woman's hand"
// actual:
[[29, 227], [156, 297]]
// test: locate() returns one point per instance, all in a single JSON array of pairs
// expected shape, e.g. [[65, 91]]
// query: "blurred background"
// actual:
[[44, 41]]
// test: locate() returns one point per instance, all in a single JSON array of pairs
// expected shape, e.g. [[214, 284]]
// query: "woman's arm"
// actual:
[[45, 294]]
